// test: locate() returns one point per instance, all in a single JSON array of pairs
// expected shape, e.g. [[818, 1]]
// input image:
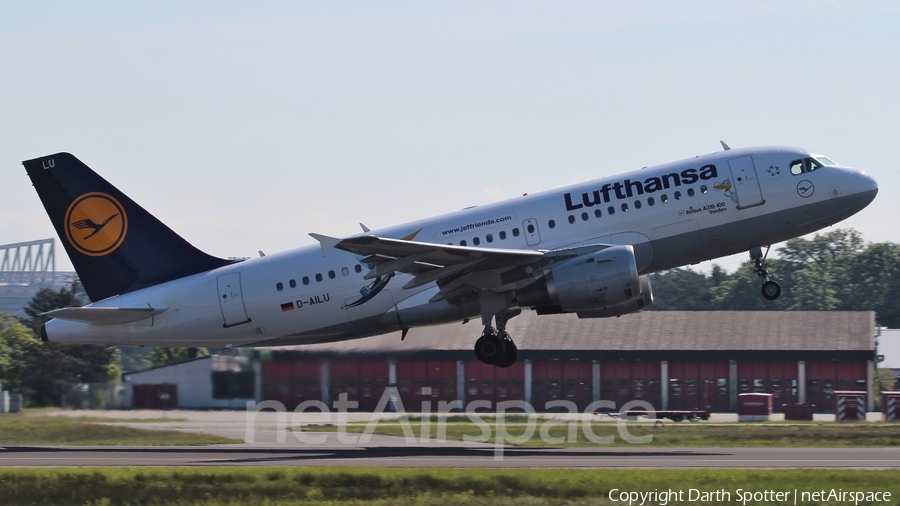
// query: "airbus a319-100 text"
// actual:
[[585, 249]]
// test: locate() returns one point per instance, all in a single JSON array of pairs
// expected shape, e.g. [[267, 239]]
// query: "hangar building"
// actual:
[[673, 359]]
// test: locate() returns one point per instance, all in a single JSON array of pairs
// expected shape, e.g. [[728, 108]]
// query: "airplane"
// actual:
[[587, 249]]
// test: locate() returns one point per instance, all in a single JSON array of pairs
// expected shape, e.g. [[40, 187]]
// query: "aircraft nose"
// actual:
[[869, 183], [868, 187]]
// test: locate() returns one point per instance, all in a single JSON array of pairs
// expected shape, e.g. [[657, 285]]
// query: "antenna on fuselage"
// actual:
[[725, 146]]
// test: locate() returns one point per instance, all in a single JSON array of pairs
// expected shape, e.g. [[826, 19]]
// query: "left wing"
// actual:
[[456, 269]]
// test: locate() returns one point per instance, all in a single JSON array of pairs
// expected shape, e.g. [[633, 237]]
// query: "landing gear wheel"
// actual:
[[771, 290], [512, 352], [489, 348]]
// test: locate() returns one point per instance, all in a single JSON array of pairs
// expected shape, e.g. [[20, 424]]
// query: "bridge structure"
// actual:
[[28, 263]]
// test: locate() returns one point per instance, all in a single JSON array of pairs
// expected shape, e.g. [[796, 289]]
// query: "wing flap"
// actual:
[[438, 254]]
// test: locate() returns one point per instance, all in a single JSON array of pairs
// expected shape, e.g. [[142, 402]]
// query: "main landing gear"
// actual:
[[496, 346], [770, 288]]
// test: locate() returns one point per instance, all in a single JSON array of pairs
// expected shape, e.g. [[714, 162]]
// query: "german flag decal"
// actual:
[[287, 306]]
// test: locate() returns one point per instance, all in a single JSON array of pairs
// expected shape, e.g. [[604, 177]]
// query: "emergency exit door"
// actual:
[[532, 234], [231, 300], [745, 183]]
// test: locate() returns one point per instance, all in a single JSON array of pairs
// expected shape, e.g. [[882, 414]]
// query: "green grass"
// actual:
[[26, 430], [796, 434], [407, 486]]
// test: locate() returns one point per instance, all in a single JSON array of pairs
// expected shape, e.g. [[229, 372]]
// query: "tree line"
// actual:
[[43, 372], [832, 271]]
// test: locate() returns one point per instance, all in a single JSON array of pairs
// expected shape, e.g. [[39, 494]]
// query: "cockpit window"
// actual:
[[825, 160], [806, 165]]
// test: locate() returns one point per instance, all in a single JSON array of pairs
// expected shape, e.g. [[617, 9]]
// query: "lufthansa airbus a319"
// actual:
[[585, 249]]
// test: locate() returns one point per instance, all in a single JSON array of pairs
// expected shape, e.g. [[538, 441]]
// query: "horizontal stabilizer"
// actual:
[[105, 315]]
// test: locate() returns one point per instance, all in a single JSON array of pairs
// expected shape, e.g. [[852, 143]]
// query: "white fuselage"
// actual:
[[674, 214]]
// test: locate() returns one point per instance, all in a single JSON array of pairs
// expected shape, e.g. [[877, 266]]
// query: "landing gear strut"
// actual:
[[770, 288], [496, 346]]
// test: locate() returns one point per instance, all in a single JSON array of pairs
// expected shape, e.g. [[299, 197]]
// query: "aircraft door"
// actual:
[[231, 300], [745, 182], [532, 234]]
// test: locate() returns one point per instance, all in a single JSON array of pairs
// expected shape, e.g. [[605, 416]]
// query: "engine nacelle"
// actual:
[[631, 306], [593, 282]]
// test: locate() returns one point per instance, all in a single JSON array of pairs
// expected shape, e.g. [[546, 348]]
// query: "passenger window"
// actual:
[[357, 268], [584, 216], [331, 274], [292, 283], [812, 387], [319, 277], [611, 210], [489, 238], [305, 280], [345, 271], [690, 386], [597, 213], [515, 232], [704, 189], [664, 198], [551, 224], [502, 235], [624, 207], [279, 286], [674, 386], [651, 201], [530, 228], [759, 385], [462, 243], [476, 241], [677, 195], [571, 219], [690, 192], [637, 204]]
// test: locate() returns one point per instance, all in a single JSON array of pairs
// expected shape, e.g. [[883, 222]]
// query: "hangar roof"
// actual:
[[795, 331]]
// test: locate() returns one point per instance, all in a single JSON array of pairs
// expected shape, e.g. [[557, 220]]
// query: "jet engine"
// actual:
[[599, 284]]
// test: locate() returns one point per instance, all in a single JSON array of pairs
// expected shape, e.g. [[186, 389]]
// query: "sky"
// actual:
[[245, 126]]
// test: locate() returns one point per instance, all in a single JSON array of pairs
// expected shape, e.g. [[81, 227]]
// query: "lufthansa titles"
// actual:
[[628, 188]]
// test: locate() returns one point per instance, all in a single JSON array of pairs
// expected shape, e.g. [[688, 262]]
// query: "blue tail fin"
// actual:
[[115, 245]]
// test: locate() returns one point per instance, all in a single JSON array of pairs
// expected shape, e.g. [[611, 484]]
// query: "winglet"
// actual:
[[327, 243], [365, 229], [725, 146]]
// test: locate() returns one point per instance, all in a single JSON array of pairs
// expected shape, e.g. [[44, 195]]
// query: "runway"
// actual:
[[453, 455], [267, 443]]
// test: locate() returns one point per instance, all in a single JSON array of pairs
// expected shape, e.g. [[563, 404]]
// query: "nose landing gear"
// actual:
[[771, 290]]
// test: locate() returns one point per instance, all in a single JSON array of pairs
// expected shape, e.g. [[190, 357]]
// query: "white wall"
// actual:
[[194, 380]]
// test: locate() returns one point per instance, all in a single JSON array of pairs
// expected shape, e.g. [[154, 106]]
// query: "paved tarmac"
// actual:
[[268, 443], [454, 455]]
